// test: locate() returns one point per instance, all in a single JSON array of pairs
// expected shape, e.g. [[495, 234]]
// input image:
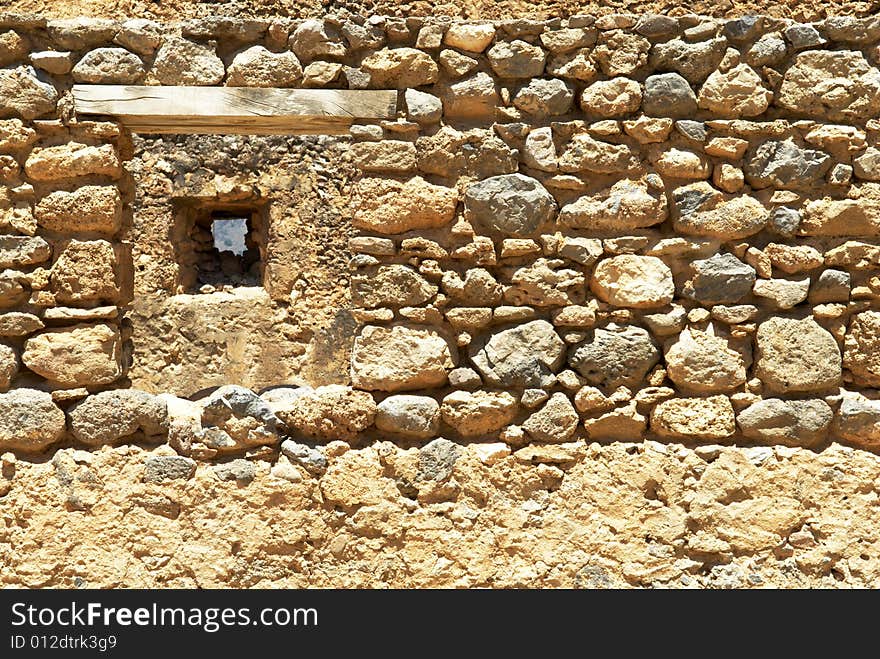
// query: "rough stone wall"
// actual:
[[577, 235]]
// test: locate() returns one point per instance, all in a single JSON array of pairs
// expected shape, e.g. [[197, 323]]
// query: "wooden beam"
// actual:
[[235, 110]]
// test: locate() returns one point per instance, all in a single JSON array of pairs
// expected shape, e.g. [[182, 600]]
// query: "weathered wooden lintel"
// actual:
[[235, 110]]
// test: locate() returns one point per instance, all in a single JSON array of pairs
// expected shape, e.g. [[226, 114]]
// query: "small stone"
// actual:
[[702, 210], [437, 460], [390, 206], [163, 468], [858, 420], [796, 356], [526, 355], [140, 35], [555, 422], [76, 356], [787, 422], [615, 356], [464, 378], [111, 416], [612, 98], [783, 293], [785, 165], [422, 108], [89, 208], [701, 419], [52, 61], [831, 286], [720, 279], [473, 414], [621, 53], [331, 412], [633, 281], [510, 204], [668, 95], [737, 92], [785, 221], [400, 68], [400, 358], [183, 62], [623, 424], [455, 64], [109, 66], [17, 323], [238, 470], [23, 94], [410, 416], [694, 61], [861, 355], [693, 130], [584, 251], [17, 251], [257, 66], [545, 98], [699, 362], [29, 420], [648, 130], [577, 65], [312, 459], [516, 59], [85, 273], [676, 163], [472, 37], [314, 39], [73, 160]]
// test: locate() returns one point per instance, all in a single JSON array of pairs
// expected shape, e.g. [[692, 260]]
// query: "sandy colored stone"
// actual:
[[861, 348], [76, 356], [72, 160], [796, 356], [15, 135], [8, 366], [612, 98], [183, 62], [400, 358], [331, 412], [555, 422], [390, 285], [88, 208], [409, 415], [633, 281], [29, 420], [677, 163], [85, 272], [585, 154], [17, 251], [399, 68], [840, 86], [111, 416], [628, 204], [619, 424], [472, 414], [541, 285], [472, 37], [24, 95], [699, 362], [694, 418], [700, 209], [390, 206], [109, 66], [737, 92], [787, 422], [258, 66]]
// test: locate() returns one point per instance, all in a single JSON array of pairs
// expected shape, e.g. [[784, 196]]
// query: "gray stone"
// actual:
[[743, 29], [585, 251], [422, 108], [695, 61], [531, 398], [720, 279], [29, 420], [858, 419], [408, 415], [694, 130], [545, 98], [16, 251], [831, 286], [668, 95], [785, 221], [240, 402], [109, 66], [766, 51], [161, 468], [437, 460], [239, 470], [109, 416], [788, 422], [783, 164], [526, 355], [23, 94], [802, 36], [311, 458], [615, 356], [516, 59], [510, 204]]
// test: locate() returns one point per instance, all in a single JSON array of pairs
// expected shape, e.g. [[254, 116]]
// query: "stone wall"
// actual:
[[576, 232]]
